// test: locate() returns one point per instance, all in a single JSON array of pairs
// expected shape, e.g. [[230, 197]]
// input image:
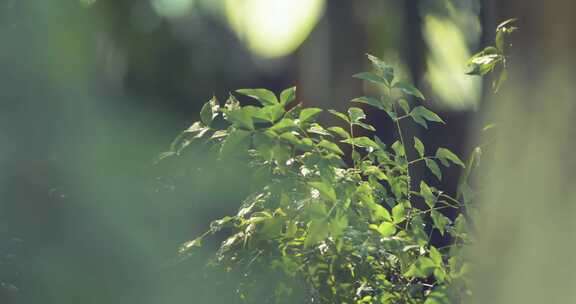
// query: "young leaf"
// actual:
[[209, 111], [309, 114], [446, 155], [434, 168], [371, 77], [419, 146], [287, 96], [265, 97], [409, 89]]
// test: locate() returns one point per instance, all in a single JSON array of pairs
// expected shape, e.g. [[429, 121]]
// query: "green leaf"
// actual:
[[404, 105], [339, 115], [241, 118], [419, 146], [422, 268], [363, 142], [386, 229], [190, 244], [427, 194], [438, 296], [338, 225], [484, 61], [409, 89], [265, 97], [272, 113], [325, 189], [379, 212], [434, 168], [365, 126], [375, 171], [318, 230], [284, 125], [440, 221], [398, 213], [287, 96], [330, 146], [339, 131], [446, 155], [356, 114], [436, 256], [371, 77], [232, 103], [375, 102], [318, 129], [309, 114], [209, 111], [383, 67], [422, 112], [237, 140]]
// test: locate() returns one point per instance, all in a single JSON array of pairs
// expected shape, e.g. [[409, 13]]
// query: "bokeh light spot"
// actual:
[[276, 28]]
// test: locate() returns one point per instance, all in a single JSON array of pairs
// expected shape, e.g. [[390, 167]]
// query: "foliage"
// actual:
[[494, 57], [323, 231], [333, 216]]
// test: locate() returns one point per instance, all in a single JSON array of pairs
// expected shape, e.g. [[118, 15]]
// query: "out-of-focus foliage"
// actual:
[[451, 30], [494, 57], [314, 228]]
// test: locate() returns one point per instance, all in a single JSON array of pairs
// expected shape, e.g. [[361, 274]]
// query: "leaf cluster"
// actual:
[[324, 230], [494, 57]]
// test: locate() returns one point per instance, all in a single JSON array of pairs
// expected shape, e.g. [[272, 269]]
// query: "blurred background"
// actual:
[[91, 91]]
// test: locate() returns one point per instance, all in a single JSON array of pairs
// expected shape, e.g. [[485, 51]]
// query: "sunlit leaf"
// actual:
[[330, 146], [309, 114], [339, 115], [209, 111], [287, 96], [325, 189], [356, 114], [265, 97]]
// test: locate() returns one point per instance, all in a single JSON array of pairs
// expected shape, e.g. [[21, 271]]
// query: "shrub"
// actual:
[[325, 226]]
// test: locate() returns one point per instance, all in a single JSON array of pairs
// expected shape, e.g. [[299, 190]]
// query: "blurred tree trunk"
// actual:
[[525, 252]]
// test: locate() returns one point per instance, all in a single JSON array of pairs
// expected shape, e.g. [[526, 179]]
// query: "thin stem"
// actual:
[[421, 159], [458, 203], [353, 144]]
